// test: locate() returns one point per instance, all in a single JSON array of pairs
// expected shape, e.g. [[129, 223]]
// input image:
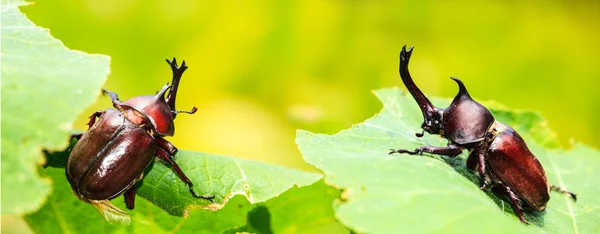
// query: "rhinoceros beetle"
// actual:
[[113, 154], [497, 152]]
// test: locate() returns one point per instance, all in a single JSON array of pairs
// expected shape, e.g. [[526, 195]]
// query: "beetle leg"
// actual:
[[481, 162], [482, 171], [93, 118], [476, 161], [90, 123], [564, 191], [450, 150], [472, 160], [130, 197], [75, 136], [160, 153], [514, 201], [167, 146]]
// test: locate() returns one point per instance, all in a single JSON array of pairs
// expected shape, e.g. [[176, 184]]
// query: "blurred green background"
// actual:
[[261, 69]]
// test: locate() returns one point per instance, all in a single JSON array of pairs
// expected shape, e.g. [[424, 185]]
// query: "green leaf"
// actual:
[[296, 210], [45, 86], [577, 170], [220, 176], [432, 194], [300, 210], [64, 213]]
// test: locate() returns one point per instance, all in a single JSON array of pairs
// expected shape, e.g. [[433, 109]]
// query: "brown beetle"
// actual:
[[112, 155], [496, 151]]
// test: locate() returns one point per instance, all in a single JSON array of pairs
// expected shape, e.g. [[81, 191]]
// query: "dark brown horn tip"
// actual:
[[183, 65], [405, 54], [176, 68], [462, 90], [172, 62]]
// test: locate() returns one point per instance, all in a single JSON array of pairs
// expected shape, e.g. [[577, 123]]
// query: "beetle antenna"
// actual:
[[177, 73], [194, 109]]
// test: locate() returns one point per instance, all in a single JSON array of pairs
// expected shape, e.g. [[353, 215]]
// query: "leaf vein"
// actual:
[[562, 185]]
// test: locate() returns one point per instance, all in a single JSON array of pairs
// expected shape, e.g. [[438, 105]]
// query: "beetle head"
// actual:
[[160, 110], [432, 116], [464, 121]]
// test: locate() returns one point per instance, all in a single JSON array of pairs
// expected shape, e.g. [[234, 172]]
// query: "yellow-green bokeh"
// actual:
[[261, 69]]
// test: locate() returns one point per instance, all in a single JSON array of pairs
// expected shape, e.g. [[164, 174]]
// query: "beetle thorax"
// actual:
[[158, 111], [465, 120]]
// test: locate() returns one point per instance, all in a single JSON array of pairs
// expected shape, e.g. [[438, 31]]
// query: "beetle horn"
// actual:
[[177, 72], [163, 90], [462, 90], [426, 107]]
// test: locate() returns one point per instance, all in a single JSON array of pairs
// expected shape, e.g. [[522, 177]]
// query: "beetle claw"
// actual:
[[484, 186], [564, 191], [210, 198], [75, 136], [403, 151], [574, 196]]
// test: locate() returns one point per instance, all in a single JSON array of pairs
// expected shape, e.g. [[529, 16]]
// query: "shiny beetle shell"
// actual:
[[113, 154], [509, 159], [131, 150], [498, 154]]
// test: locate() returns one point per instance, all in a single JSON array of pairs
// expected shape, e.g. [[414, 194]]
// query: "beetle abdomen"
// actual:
[[510, 161], [88, 148], [113, 161]]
